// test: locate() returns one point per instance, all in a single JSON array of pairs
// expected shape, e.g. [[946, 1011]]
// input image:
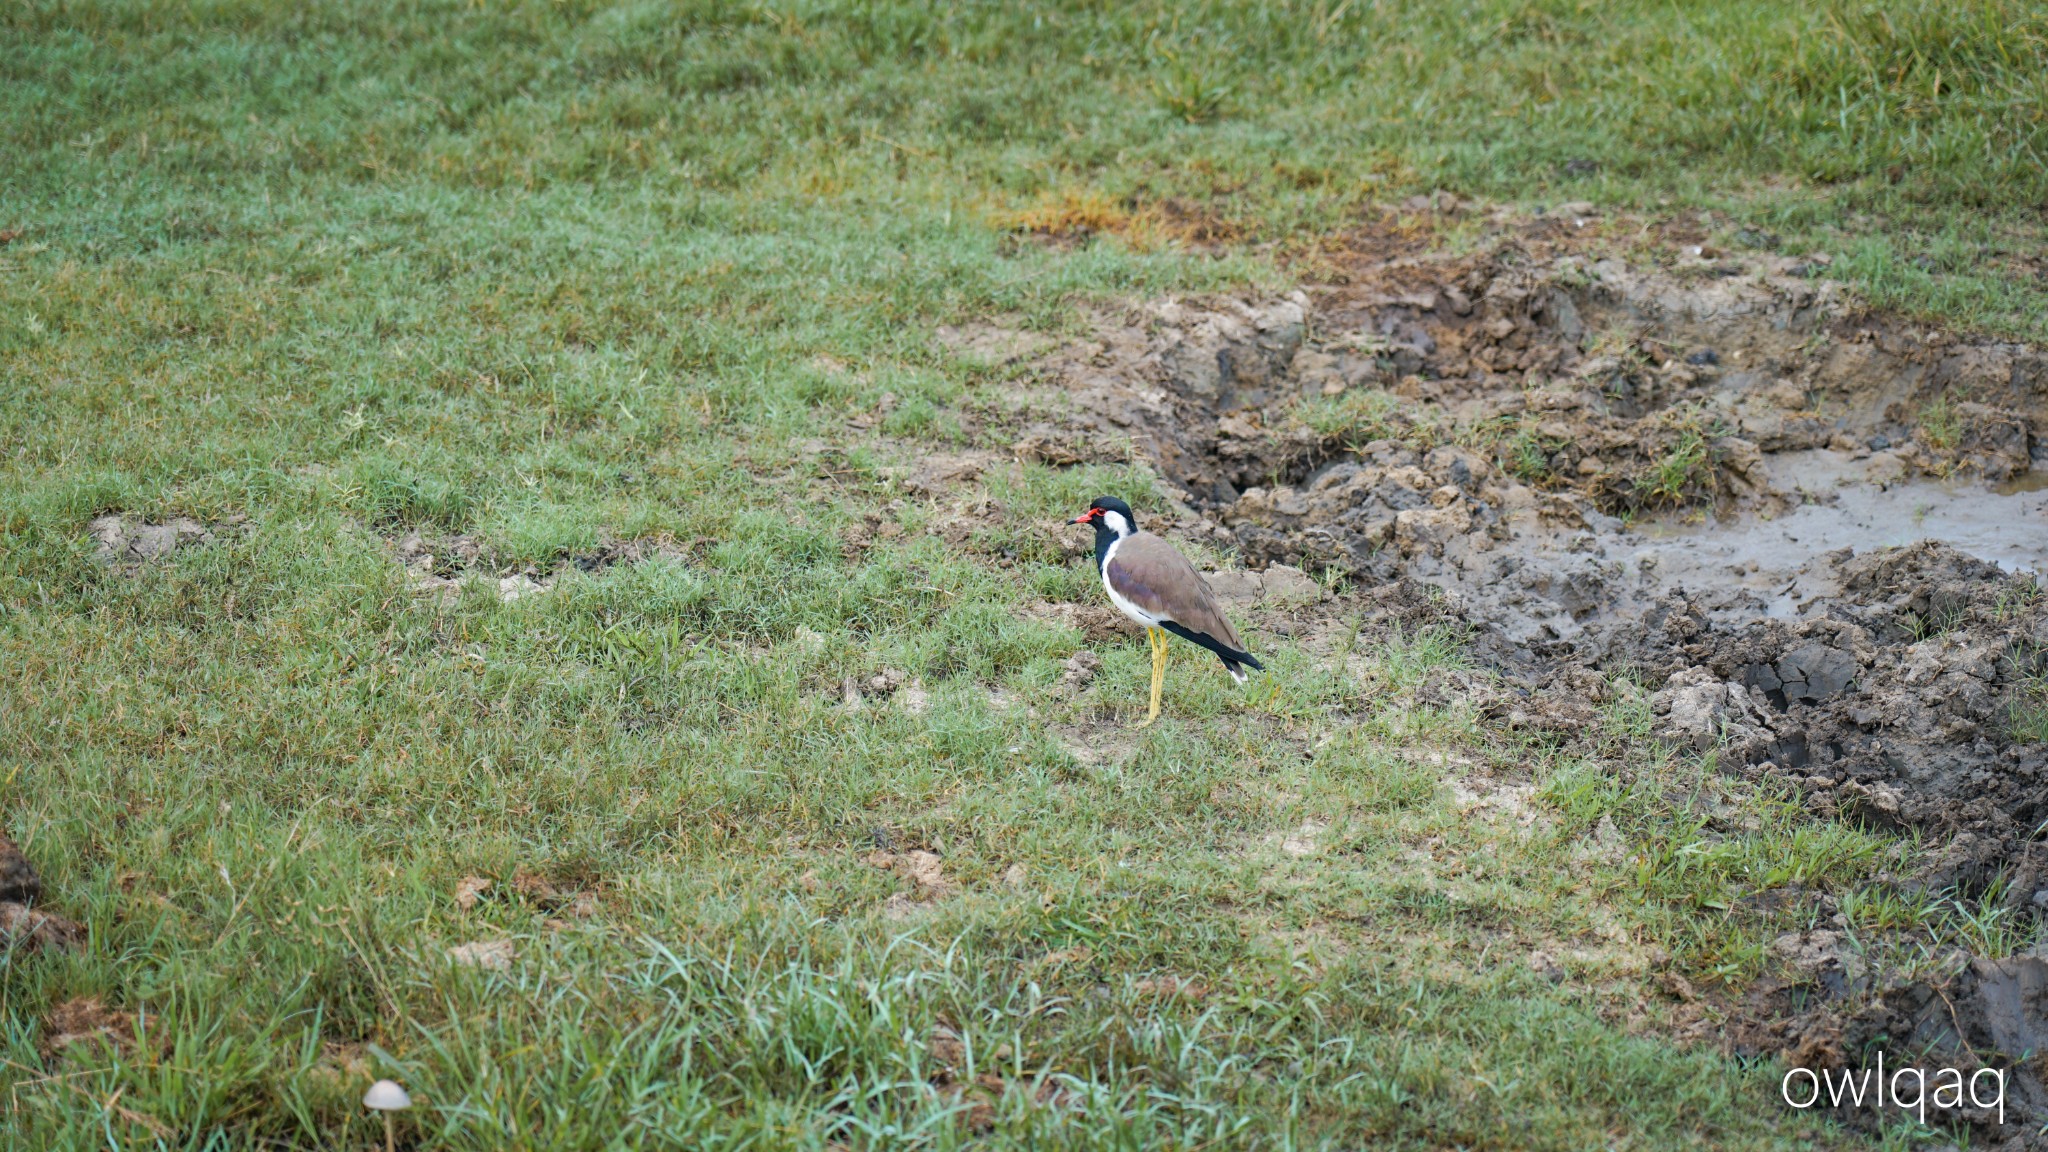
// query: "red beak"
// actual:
[[1085, 517]]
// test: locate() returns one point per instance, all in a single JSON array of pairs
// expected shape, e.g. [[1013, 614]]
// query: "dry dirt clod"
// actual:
[[129, 540], [1236, 588], [469, 890], [489, 955], [1078, 954], [913, 698], [1081, 669], [1097, 623], [924, 871], [19, 883], [343, 1064], [1283, 586], [1544, 965], [85, 1020], [517, 585], [934, 475], [1172, 987], [887, 681], [1302, 842], [32, 929], [946, 1047], [536, 889], [545, 895], [1821, 955], [947, 1050], [1606, 842]]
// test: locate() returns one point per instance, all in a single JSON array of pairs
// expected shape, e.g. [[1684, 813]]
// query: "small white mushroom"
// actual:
[[387, 1097]]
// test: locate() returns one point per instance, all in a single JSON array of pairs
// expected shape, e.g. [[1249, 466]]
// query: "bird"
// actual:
[[1152, 583]]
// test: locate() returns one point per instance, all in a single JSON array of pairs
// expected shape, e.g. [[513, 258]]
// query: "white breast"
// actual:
[[1122, 605]]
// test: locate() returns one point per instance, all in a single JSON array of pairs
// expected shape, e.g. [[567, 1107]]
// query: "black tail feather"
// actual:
[[1224, 652]]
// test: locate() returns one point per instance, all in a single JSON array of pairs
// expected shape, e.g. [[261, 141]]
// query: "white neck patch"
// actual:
[[1117, 524]]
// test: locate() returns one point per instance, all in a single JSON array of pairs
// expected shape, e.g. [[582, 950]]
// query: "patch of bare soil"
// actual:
[[994, 344], [444, 565], [126, 542], [1608, 447], [924, 871], [85, 1021]]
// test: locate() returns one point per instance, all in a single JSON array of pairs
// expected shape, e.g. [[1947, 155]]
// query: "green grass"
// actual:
[[1357, 418], [562, 275], [2030, 712], [1678, 473], [1941, 425]]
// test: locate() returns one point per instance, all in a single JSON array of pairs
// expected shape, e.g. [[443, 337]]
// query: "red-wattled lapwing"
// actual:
[[1152, 583]]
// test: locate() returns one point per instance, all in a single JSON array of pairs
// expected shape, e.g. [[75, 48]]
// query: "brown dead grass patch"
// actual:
[[1072, 216]]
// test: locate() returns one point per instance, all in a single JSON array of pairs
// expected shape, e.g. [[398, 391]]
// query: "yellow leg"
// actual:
[[1157, 639], [1159, 674]]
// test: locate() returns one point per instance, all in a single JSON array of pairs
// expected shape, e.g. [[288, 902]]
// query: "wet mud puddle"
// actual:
[[1771, 562]]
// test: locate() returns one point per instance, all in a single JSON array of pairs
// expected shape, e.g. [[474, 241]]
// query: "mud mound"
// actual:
[[1569, 369], [1988, 1019], [1497, 423], [1903, 701]]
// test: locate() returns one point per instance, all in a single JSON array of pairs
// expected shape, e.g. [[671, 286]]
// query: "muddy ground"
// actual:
[[1612, 449]]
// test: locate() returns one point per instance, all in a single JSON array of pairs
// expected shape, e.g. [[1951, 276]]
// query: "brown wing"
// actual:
[[1150, 573]]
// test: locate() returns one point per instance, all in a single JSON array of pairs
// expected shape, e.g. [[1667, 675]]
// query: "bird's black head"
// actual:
[[1113, 521], [1105, 512]]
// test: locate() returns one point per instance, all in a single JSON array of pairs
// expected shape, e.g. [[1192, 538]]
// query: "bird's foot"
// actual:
[[1149, 718]]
